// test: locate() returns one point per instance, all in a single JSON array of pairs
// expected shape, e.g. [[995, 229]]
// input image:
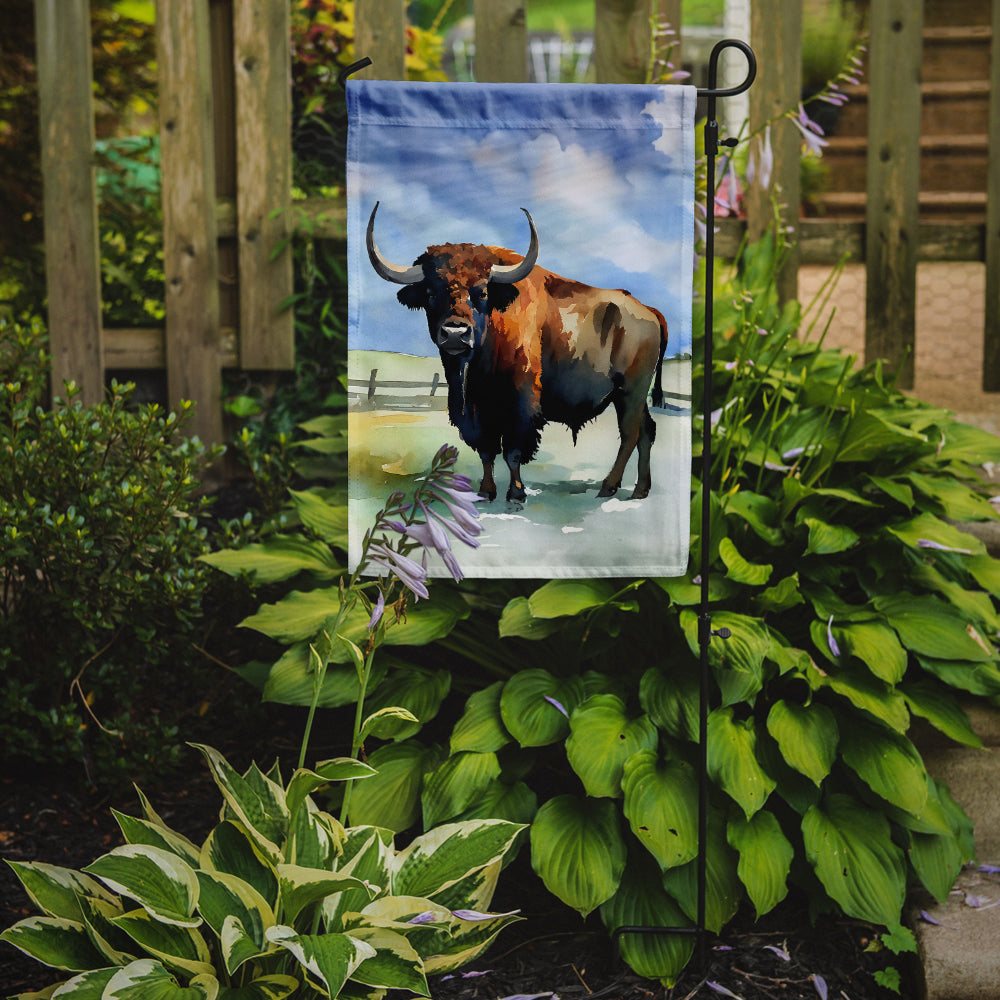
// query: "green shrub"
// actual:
[[280, 899], [99, 540]]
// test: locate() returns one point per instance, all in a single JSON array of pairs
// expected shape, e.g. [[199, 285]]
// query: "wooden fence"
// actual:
[[226, 161]]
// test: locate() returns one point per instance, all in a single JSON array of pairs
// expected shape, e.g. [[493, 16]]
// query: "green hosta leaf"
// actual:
[[758, 511], [732, 760], [738, 661], [986, 572], [301, 887], [828, 539], [260, 809], [395, 964], [280, 557], [976, 678], [684, 592], [783, 595], [975, 605], [530, 706], [180, 948], [438, 859], [54, 941], [723, 889], [602, 738], [274, 987], [327, 520], [870, 435], [518, 621], [516, 803], [391, 798], [481, 727], [142, 831], [888, 763], [159, 881], [957, 501], [807, 736], [931, 628], [558, 598], [850, 848], [765, 858], [291, 680], [330, 959], [230, 849], [941, 709], [671, 700], [225, 897], [56, 891], [876, 646], [578, 851], [456, 784], [866, 692], [641, 901], [893, 488], [739, 569], [418, 691], [661, 798], [928, 528], [965, 443], [147, 979], [937, 858]]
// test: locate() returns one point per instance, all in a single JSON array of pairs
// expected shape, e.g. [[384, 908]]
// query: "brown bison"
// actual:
[[522, 346]]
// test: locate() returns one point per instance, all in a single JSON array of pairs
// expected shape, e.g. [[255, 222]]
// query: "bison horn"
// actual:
[[385, 268], [507, 274]]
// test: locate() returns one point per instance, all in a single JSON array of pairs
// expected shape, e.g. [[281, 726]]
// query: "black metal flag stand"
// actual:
[[705, 631]]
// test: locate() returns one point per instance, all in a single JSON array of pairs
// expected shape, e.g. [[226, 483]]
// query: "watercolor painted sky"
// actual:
[[606, 173]]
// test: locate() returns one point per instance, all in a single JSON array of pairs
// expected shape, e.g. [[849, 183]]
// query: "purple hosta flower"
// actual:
[[719, 988], [460, 505], [475, 915], [760, 165], [927, 543], [427, 917], [411, 574], [811, 132], [820, 983], [780, 952], [834, 648], [377, 611], [989, 869], [558, 705], [728, 196]]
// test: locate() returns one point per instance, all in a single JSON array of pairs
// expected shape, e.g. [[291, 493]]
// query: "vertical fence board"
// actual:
[[991, 333], [262, 61], [72, 257], [501, 41], [380, 34], [668, 14], [893, 183], [776, 35], [190, 254], [622, 40]]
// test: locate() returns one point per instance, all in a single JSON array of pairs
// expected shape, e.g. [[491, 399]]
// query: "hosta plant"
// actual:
[[279, 900]]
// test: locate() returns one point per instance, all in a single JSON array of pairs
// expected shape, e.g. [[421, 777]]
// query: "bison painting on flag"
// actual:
[[520, 265]]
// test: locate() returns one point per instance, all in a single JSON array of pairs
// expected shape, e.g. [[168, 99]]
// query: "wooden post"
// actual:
[[991, 333], [501, 41], [776, 35], [190, 254], [262, 61], [72, 256], [893, 183], [380, 34], [622, 40]]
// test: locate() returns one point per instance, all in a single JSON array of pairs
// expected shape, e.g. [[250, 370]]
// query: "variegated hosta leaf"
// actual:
[[642, 902], [765, 858], [328, 959], [661, 800], [850, 847], [304, 782], [147, 979], [230, 849], [315, 839], [367, 853], [602, 737], [395, 964], [300, 887], [476, 890], [256, 801], [55, 941], [158, 880], [274, 987], [86, 986], [578, 851], [468, 939], [177, 947], [807, 736], [116, 946], [225, 897], [481, 727], [457, 784], [56, 891], [141, 831], [441, 857], [732, 760]]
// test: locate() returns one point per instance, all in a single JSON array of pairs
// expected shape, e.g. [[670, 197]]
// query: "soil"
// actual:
[[551, 952]]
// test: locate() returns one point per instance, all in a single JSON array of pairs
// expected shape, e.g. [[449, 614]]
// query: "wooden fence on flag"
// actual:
[[224, 107]]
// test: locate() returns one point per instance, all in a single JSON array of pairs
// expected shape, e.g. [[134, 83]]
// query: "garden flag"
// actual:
[[520, 272]]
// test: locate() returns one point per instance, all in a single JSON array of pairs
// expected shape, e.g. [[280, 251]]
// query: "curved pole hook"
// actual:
[[353, 68], [712, 90]]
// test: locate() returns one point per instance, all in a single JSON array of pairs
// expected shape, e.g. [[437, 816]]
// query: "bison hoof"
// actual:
[[517, 494], [487, 494], [640, 493], [607, 491]]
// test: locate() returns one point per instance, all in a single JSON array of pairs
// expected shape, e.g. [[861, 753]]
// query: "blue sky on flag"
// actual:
[[606, 173]]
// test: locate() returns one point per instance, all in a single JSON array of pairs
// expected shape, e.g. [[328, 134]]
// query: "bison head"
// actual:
[[457, 285]]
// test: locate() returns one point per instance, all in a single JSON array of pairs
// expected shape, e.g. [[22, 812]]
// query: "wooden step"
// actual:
[[958, 206], [956, 53]]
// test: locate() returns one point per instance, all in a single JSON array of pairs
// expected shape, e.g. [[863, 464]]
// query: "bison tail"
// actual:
[[658, 383]]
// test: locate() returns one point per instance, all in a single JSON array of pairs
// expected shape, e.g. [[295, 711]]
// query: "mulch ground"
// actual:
[[550, 953]]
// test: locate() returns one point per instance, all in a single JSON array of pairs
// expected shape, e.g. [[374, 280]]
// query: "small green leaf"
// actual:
[[559, 598], [765, 858], [807, 736], [732, 760], [828, 539], [739, 569]]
